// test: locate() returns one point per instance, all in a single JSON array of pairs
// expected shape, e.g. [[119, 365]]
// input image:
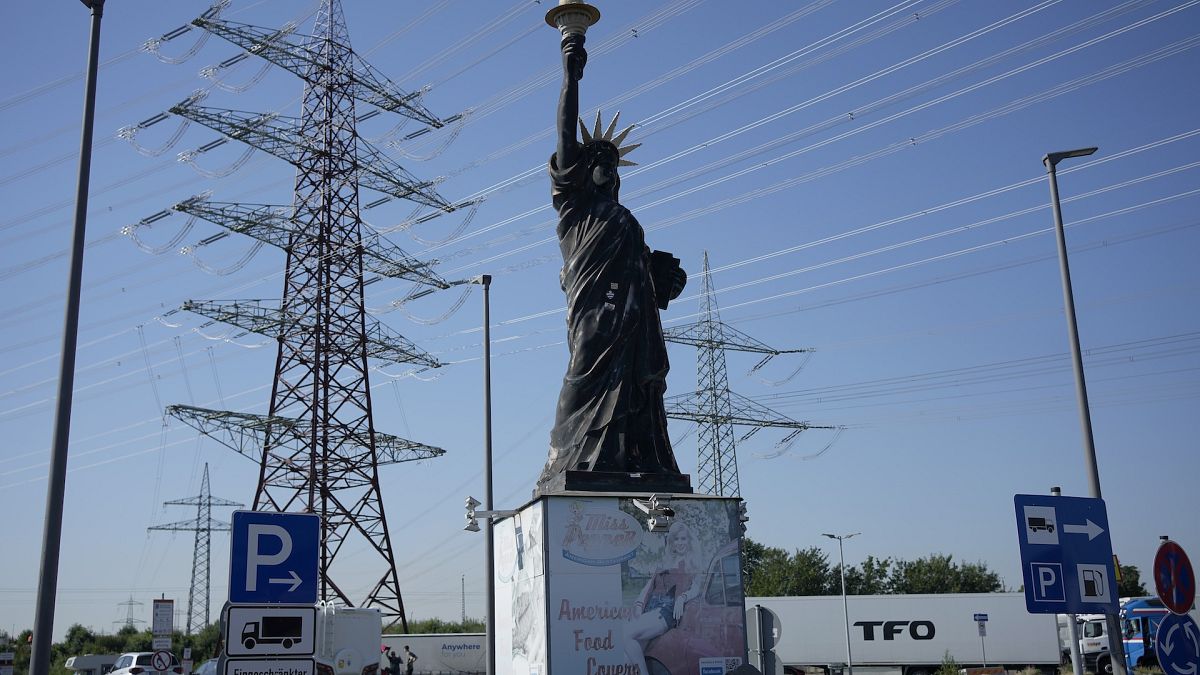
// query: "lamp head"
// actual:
[[1053, 158]]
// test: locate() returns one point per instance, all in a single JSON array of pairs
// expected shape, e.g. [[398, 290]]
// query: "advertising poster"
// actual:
[[520, 585], [625, 600]]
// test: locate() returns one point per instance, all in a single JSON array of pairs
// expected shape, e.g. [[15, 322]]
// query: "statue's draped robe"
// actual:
[[610, 414]]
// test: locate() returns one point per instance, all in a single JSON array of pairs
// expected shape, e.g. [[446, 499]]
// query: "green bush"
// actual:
[[949, 665]]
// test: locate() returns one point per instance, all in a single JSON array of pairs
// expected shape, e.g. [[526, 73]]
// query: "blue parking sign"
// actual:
[[1048, 582], [1066, 555], [273, 557]]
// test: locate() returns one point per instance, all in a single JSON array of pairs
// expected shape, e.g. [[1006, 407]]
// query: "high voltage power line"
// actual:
[[827, 284], [749, 293], [1127, 28]]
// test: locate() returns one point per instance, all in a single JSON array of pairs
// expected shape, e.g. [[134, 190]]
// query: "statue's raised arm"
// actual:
[[574, 58]]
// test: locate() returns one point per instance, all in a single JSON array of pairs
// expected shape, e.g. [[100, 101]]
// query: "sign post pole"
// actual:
[[981, 619]]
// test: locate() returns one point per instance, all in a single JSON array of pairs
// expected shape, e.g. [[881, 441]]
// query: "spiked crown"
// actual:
[[596, 136]]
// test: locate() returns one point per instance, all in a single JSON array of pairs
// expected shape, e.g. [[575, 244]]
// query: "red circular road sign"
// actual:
[[1174, 579]]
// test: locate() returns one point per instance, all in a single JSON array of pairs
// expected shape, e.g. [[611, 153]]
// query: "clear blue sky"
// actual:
[[866, 177]]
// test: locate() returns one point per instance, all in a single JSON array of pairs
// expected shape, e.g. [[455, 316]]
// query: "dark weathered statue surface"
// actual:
[[610, 420]]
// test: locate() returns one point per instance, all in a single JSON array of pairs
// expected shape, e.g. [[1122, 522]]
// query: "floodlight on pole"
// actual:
[[845, 605], [1051, 160]]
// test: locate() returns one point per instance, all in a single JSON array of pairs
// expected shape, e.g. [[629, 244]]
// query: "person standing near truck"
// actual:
[[393, 662], [409, 659]]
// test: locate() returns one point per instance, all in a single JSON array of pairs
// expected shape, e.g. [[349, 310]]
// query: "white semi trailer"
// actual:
[[901, 634], [445, 653]]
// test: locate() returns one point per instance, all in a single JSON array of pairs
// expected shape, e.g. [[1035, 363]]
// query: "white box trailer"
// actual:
[[907, 634], [91, 664], [442, 653], [347, 640]]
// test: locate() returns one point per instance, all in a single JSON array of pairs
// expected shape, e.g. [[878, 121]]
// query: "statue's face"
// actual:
[[604, 172]]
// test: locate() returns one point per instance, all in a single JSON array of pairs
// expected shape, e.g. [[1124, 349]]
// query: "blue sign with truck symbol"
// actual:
[[1066, 555]]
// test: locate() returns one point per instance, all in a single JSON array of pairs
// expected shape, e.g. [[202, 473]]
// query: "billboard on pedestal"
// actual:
[[583, 586], [520, 583]]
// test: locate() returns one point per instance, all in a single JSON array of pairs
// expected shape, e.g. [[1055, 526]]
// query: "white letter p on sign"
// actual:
[[1046, 579], [254, 559]]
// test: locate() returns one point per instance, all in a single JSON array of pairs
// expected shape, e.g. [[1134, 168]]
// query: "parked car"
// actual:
[[209, 667], [137, 663]]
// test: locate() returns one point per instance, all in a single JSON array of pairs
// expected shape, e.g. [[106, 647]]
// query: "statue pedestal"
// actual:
[[616, 482], [583, 586]]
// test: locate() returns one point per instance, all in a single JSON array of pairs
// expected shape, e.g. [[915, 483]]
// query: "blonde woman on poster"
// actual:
[[661, 603]]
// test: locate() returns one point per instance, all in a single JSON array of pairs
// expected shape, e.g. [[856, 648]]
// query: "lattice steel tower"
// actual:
[[203, 525], [317, 447], [713, 407]]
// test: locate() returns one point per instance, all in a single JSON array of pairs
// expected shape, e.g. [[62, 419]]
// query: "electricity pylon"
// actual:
[[129, 621], [317, 447], [203, 525], [713, 407]]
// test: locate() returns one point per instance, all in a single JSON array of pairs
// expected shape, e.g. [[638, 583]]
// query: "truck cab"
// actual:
[[1139, 622], [1093, 643], [1140, 618]]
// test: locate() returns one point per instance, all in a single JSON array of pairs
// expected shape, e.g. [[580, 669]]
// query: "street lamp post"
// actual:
[[486, 281], [43, 622], [1051, 160], [845, 605]]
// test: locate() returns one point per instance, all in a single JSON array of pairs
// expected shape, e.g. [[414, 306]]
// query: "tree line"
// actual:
[[81, 640], [205, 644], [766, 571], [769, 571]]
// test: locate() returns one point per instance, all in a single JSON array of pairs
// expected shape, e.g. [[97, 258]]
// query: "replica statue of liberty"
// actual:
[[610, 429]]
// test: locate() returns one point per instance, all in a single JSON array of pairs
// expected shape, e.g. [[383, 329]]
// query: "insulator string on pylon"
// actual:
[[457, 305], [189, 158], [398, 144], [213, 74], [131, 231], [458, 230], [777, 383], [130, 133], [230, 269], [152, 45]]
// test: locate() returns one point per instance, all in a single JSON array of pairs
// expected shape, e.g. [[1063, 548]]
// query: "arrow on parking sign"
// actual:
[[1089, 528], [294, 581]]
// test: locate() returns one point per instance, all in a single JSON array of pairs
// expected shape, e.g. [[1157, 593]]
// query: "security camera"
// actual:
[[658, 510]]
